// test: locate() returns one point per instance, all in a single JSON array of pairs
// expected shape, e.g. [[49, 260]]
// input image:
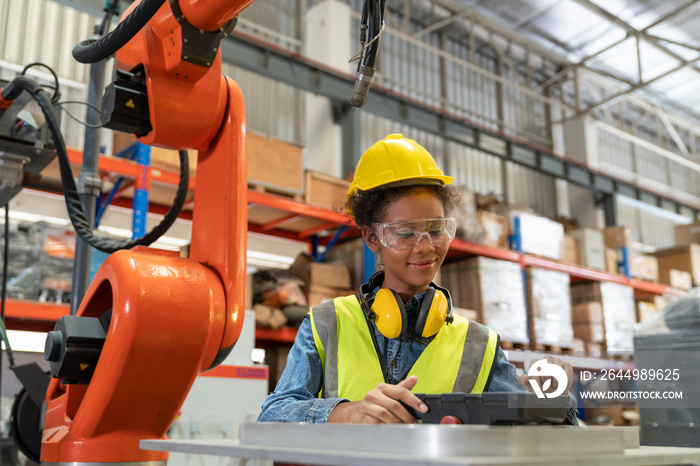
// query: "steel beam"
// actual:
[[268, 60]]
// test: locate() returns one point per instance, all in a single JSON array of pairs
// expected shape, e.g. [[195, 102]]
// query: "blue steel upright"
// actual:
[[140, 203]]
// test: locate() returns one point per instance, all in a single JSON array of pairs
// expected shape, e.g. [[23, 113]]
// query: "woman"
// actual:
[[356, 359]]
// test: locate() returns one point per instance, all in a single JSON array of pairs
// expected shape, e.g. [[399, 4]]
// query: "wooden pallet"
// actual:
[[277, 190], [512, 346], [550, 348]]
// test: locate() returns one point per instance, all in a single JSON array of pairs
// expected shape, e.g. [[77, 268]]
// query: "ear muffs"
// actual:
[[390, 316], [433, 313], [389, 313]]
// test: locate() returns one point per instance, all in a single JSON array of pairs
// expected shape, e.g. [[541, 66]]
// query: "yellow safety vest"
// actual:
[[459, 359]]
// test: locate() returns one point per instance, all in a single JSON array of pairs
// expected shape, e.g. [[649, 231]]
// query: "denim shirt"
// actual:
[[295, 397]]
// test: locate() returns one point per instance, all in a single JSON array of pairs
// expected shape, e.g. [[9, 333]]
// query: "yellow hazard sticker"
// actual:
[[130, 103], [84, 366]]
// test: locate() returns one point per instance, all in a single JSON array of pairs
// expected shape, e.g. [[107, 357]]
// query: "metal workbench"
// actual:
[[433, 444]]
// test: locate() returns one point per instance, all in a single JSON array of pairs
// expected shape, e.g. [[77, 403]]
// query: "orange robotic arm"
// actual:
[[165, 318]]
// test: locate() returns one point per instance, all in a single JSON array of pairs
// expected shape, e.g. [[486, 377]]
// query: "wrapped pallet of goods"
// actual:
[[550, 309], [494, 289], [619, 311]]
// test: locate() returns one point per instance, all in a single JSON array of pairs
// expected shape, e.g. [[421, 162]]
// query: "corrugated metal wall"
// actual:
[[647, 166], [45, 31], [640, 164], [273, 109], [48, 31], [649, 226]]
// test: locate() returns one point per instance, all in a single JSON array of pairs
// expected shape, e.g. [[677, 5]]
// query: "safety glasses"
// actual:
[[406, 234]]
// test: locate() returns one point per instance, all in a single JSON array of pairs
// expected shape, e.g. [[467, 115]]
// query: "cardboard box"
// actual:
[[689, 233], [318, 294], [160, 158], [326, 191], [591, 311], [275, 164], [644, 267], [352, 255], [590, 331], [569, 250], [646, 311], [320, 273], [612, 260], [617, 236], [271, 163], [590, 247], [680, 279], [496, 227], [579, 345], [685, 258]]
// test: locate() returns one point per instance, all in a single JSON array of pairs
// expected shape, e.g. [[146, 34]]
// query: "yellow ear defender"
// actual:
[[389, 314]]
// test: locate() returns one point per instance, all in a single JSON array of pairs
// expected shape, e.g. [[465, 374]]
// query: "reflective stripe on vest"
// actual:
[[464, 352]]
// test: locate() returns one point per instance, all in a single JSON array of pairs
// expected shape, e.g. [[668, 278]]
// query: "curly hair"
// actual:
[[368, 207]]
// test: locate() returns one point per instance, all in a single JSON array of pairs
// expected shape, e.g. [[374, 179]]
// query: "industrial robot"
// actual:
[[150, 322]]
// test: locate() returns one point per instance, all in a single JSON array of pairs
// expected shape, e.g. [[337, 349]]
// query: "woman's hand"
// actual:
[[381, 405], [525, 379]]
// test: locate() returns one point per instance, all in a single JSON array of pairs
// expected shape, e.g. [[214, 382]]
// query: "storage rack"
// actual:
[[284, 217]]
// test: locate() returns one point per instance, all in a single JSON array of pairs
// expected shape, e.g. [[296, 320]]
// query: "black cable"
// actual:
[[5, 263], [4, 281], [80, 102], [375, 21], [68, 112], [94, 50], [56, 91], [73, 204]]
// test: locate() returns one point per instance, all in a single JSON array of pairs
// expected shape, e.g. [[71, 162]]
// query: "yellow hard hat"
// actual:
[[396, 160]]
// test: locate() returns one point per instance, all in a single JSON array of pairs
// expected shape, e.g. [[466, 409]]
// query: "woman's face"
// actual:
[[410, 271]]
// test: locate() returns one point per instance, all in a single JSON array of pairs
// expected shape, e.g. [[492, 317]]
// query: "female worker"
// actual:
[[356, 358]]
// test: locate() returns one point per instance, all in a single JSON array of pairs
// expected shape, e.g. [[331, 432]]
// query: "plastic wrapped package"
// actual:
[[40, 263], [57, 259], [25, 249], [683, 314], [620, 316], [619, 311], [493, 288], [550, 302], [538, 235]]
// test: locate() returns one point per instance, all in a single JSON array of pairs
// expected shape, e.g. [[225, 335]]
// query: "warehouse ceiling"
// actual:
[[650, 47]]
